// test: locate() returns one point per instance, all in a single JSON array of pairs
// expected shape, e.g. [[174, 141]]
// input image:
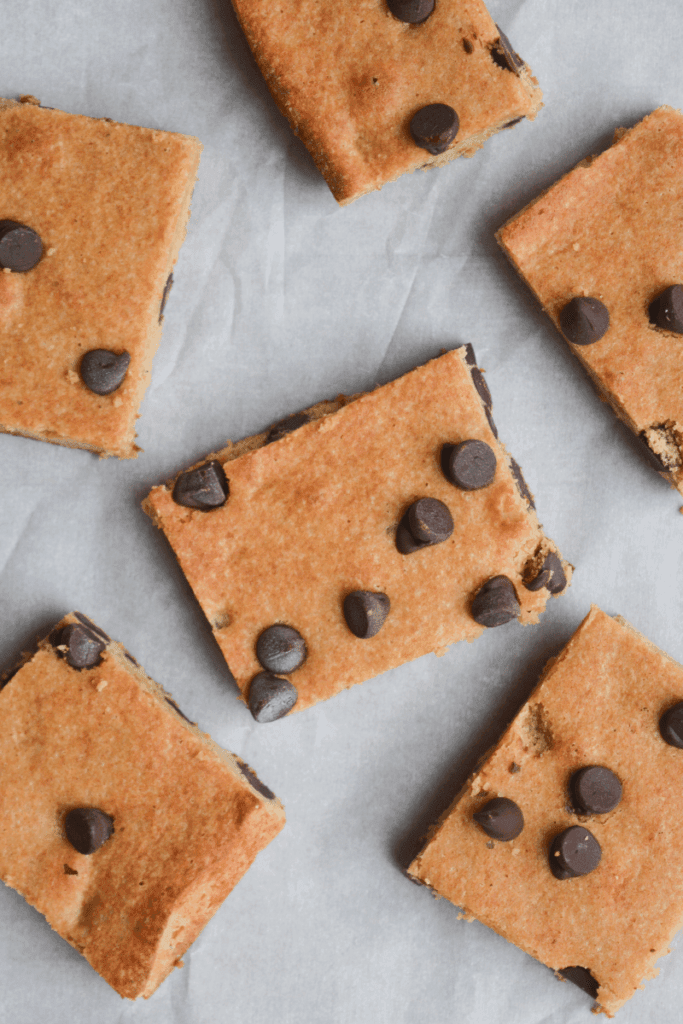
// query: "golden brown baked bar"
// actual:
[[165, 823], [307, 537], [610, 231], [599, 704], [109, 203], [350, 77]]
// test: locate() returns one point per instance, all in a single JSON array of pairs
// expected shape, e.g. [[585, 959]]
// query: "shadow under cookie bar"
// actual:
[[92, 218], [374, 93], [122, 822], [359, 535], [601, 249], [564, 841]]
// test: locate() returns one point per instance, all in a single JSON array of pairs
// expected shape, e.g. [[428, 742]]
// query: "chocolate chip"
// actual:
[[653, 457], [515, 120], [176, 708], [489, 417], [89, 624], [430, 521], [470, 465], [103, 371], [254, 780], [165, 294], [434, 127], [671, 726], [204, 488], [286, 426], [522, 487], [414, 12], [573, 853], [20, 247], [500, 819], [595, 790], [88, 828], [495, 603], [503, 54], [270, 697], [365, 612], [467, 46], [481, 386], [470, 356], [514, 768], [405, 542], [550, 575], [583, 320], [667, 309], [281, 649], [83, 647], [131, 658], [582, 977]]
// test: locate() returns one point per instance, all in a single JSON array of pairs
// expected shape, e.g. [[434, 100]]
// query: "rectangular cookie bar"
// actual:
[[359, 535], [92, 217], [121, 822], [352, 79], [602, 251], [566, 840]]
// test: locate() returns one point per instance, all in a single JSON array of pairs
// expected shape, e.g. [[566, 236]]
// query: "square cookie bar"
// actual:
[[92, 217], [121, 822], [375, 88], [359, 535], [565, 841], [602, 251]]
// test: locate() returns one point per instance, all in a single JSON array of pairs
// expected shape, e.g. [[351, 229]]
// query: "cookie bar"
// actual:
[[376, 88], [92, 217], [121, 822], [564, 841], [601, 249], [359, 535]]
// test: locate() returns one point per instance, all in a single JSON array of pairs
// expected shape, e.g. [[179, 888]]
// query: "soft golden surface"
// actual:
[[611, 229], [600, 703], [187, 824], [349, 77], [313, 516], [110, 203]]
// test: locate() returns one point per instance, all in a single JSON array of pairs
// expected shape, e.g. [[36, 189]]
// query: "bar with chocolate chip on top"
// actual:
[[359, 535]]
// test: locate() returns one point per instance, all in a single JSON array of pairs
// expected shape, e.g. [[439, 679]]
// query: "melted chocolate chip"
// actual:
[[365, 612], [582, 977], [204, 488], [270, 697], [500, 819], [522, 486], [470, 465], [281, 648], [102, 371], [430, 521], [503, 54], [573, 853], [671, 726], [176, 708], [666, 311], [286, 426], [495, 603], [550, 575], [165, 294], [583, 320], [481, 386], [20, 247], [414, 12], [88, 828], [434, 127], [595, 790], [254, 780], [83, 647]]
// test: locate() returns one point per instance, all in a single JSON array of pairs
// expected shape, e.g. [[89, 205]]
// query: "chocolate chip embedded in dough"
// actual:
[[176, 708], [281, 648], [470, 465], [504, 55], [254, 780], [414, 12], [434, 127], [500, 819], [365, 612], [165, 294], [511, 124], [671, 726], [83, 647], [481, 386], [666, 311], [286, 426], [495, 603], [102, 371], [430, 521], [522, 485], [582, 977], [653, 457], [595, 789], [270, 697], [405, 542], [89, 624], [489, 417], [88, 828], [584, 320], [573, 853], [470, 355], [20, 247], [550, 574], [204, 488]]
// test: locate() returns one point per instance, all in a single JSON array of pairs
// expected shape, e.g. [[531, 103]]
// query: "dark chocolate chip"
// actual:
[[470, 357], [176, 708], [69, 871], [365, 612], [573, 853], [286, 426], [204, 488], [514, 768], [582, 977], [667, 309], [430, 521], [653, 457], [88, 828], [515, 120], [550, 575], [434, 127], [254, 780], [495, 603], [131, 658], [500, 819], [671, 726], [165, 294], [102, 371], [414, 12], [83, 647], [584, 320], [595, 790], [405, 542], [503, 54], [489, 417], [467, 46], [481, 386], [471, 465], [281, 648], [521, 483], [20, 247], [85, 621], [270, 697]]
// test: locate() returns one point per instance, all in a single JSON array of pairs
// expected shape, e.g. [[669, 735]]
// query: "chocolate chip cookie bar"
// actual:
[[376, 88], [92, 217], [121, 822], [564, 841], [602, 251], [359, 535]]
